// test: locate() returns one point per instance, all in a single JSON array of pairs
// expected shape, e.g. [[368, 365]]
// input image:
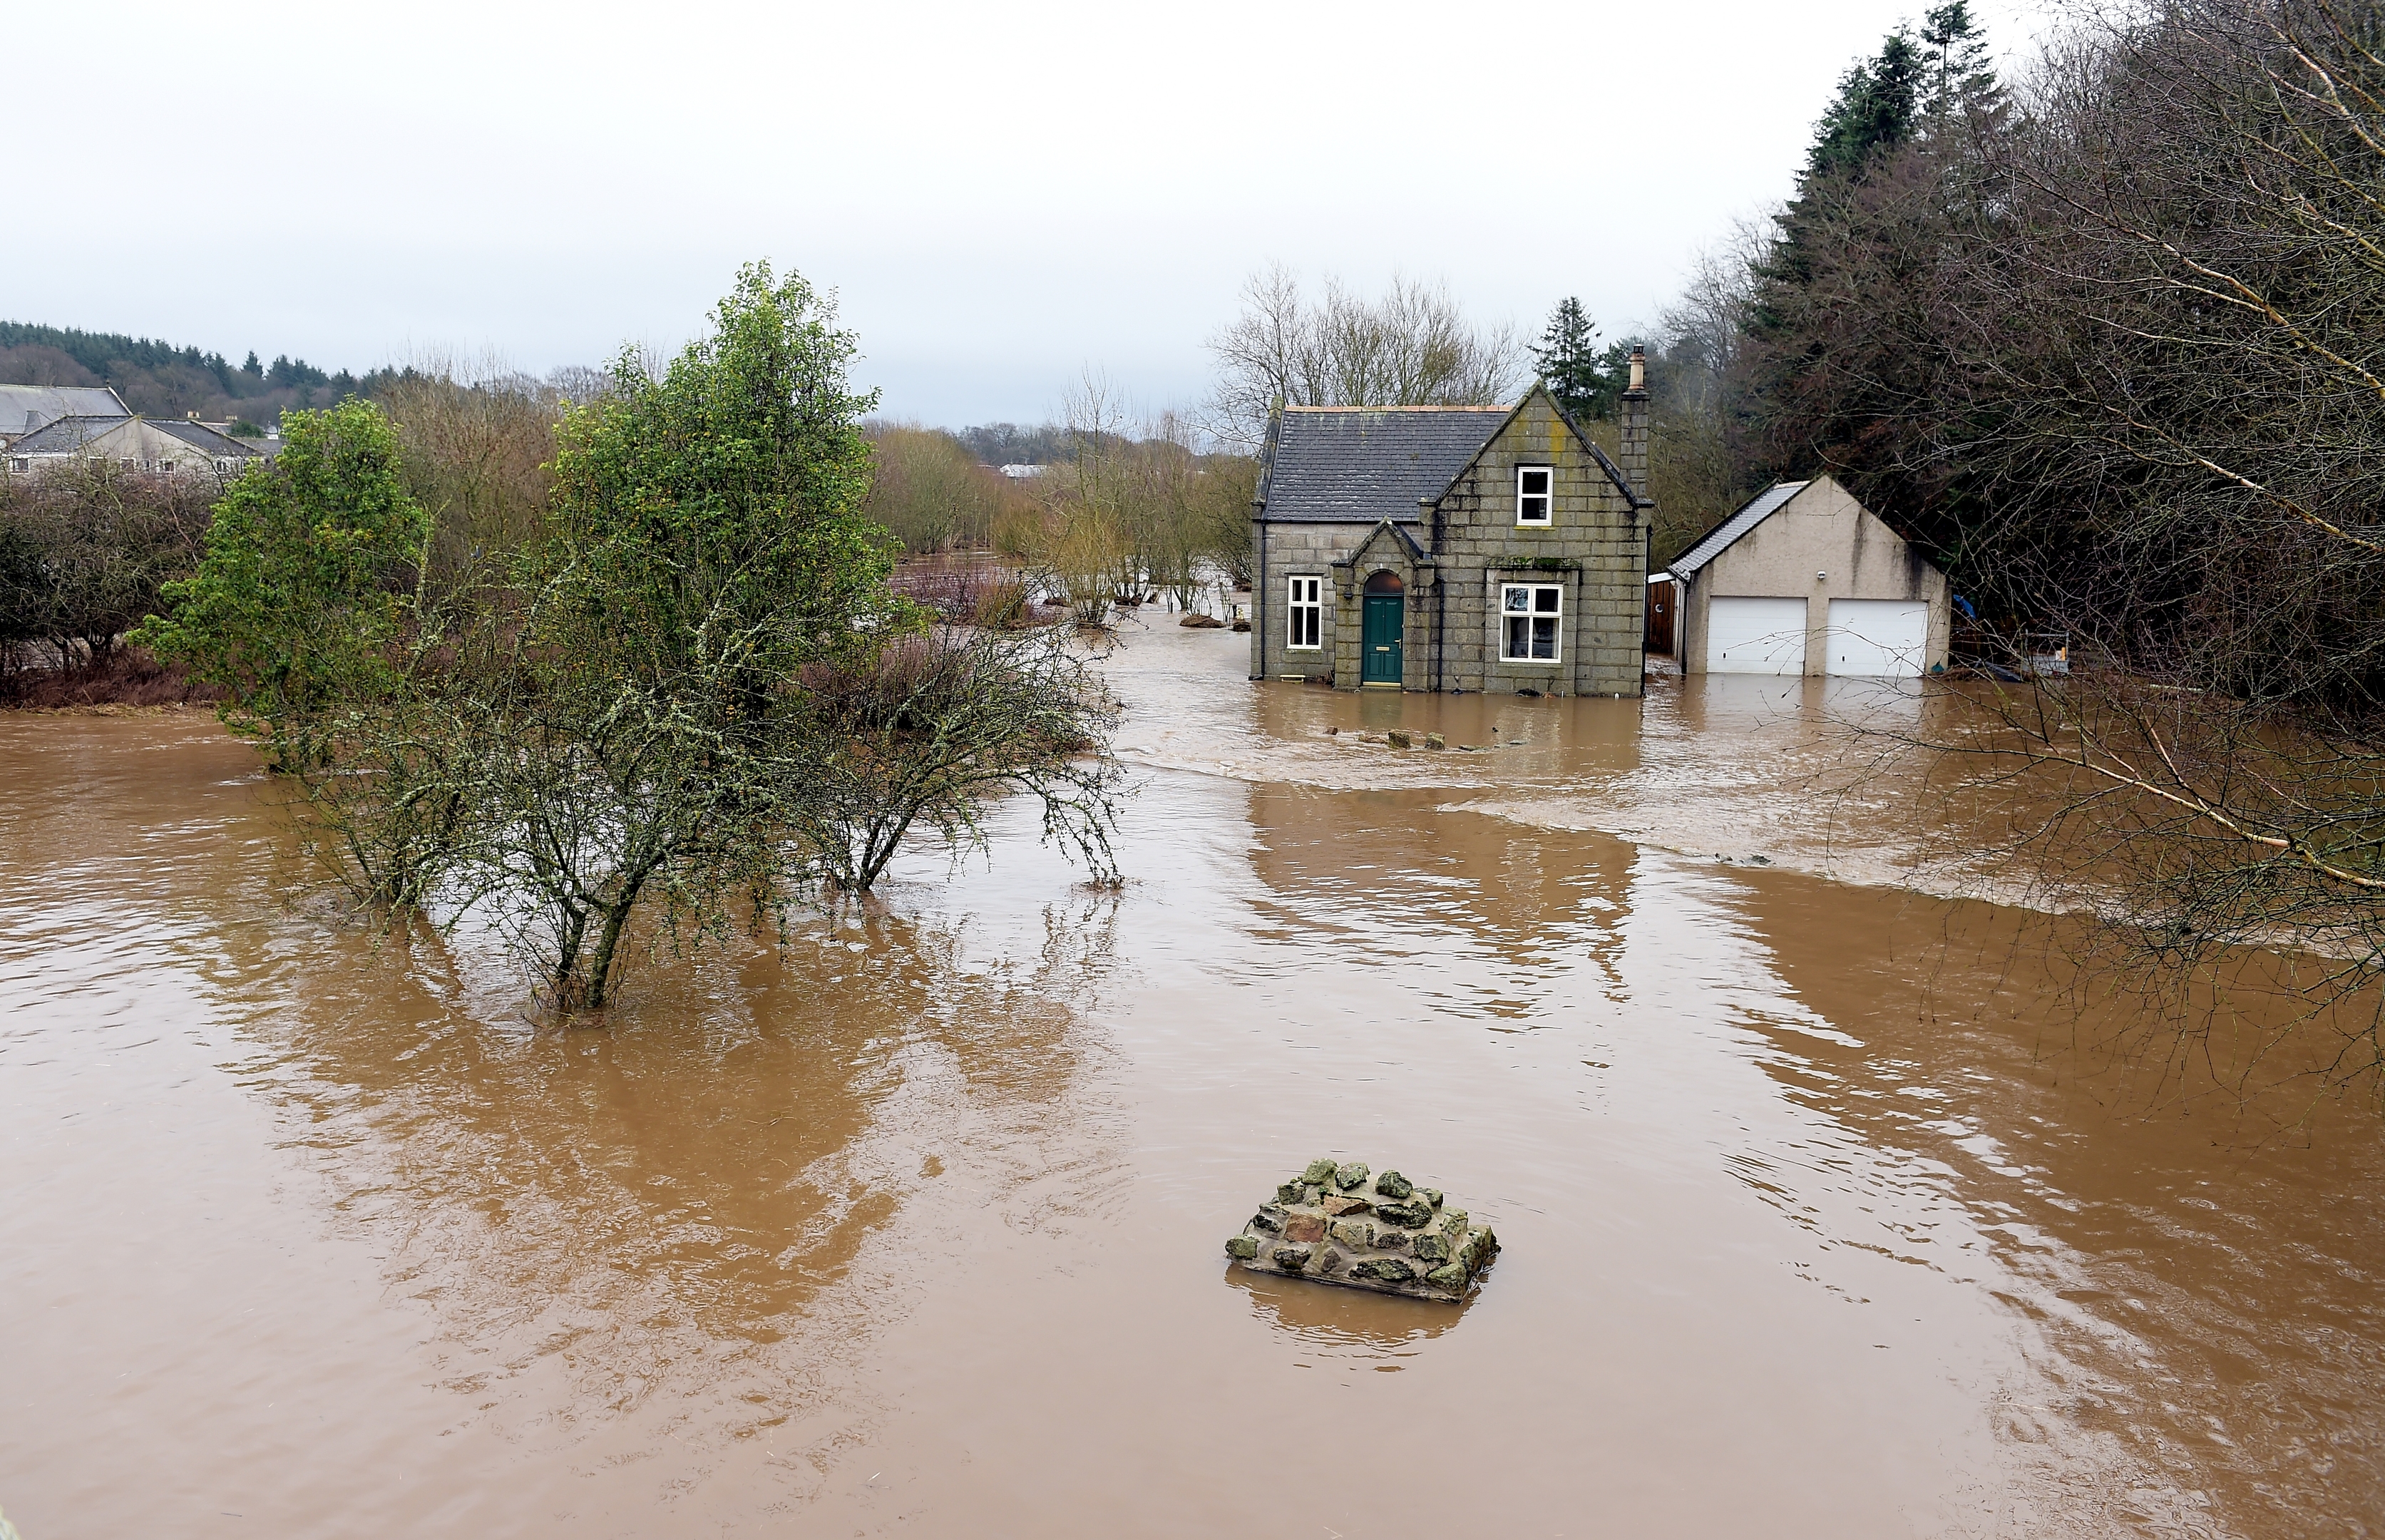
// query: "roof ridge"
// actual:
[[1732, 527], [1399, 408]]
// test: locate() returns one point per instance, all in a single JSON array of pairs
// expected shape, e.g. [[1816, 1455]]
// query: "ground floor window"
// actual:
[[1527, 613], [1306, 626]]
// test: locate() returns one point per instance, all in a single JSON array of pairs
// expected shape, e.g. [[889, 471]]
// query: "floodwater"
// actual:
[[1815, 1223]]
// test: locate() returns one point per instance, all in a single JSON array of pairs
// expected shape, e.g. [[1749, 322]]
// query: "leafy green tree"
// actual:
[[302, 597], [1586, 380], [704, 543]]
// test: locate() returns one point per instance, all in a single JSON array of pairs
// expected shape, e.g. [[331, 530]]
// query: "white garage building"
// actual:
[[1805, 580]]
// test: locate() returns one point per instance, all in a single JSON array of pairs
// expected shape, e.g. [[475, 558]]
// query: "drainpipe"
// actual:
[[1259, 606], [1258, 516], [1647, 555], [1440, 593]]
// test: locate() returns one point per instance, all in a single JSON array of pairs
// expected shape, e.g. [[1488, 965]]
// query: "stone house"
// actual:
[[145, 446], [1452, 548], [1805, 580]]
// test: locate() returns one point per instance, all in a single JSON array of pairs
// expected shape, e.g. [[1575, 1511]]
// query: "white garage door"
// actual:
[[1756, 636], [1877, 637]]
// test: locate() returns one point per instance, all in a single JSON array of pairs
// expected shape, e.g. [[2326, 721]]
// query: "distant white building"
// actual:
[[1022, 472], [143, 445], [29, 408]]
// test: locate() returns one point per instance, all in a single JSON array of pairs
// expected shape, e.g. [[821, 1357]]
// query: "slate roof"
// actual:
[[1716, 541], [204, 439], [70, 435], [24, 409], [67, 434], [1360, 464]]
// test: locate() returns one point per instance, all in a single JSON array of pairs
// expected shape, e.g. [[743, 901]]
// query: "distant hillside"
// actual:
[[161, 380]]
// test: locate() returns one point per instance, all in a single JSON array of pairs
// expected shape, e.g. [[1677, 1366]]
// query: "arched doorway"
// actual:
[[1384, 630]]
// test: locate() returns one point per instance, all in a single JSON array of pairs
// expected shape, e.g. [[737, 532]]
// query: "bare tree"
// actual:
[[1412, 348], [927, 732], [477, 438], [2155, 425]]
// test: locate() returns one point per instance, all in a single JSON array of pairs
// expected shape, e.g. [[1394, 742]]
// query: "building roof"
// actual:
[[67, 435], [72, 436], [1359, 464], [1716, 541], [201, 437], [24, 409]]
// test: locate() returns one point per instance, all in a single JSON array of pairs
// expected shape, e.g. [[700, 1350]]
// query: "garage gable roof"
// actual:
[[1723, 536]]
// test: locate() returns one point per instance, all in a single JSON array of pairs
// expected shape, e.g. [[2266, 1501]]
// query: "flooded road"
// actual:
[[1813, 1226]]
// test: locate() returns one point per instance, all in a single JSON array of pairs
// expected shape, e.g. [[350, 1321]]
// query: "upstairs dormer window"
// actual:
[[1533, 483]]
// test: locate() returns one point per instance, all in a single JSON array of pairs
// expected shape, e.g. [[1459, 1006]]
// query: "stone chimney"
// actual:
[[1635, 425]]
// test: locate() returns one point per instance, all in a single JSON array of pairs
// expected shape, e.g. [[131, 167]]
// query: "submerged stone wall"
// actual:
[[1330, 1223]]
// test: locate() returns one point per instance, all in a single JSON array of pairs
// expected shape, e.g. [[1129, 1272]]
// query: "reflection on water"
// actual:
[[1377, 1328], [1813, 1223]]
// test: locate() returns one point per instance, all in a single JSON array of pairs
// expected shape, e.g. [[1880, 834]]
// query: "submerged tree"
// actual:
[[703, 543], [302, 603], [924, 733], [620, 717]]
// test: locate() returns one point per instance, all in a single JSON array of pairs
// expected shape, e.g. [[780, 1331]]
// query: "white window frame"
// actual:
[[1532, 612], [1547, 498], [1303, 613]]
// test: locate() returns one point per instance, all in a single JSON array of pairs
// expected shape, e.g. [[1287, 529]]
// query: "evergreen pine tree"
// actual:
[[1878, 106], [1960, 79], [1586, 380]]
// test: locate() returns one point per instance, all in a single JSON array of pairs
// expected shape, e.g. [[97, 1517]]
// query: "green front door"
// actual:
[[1379, 649]]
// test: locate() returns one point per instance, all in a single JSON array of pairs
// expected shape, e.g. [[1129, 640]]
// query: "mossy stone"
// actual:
[[1241, 1248], [1291, 1258], [1392, 1184], [1407, 1216], [1319, 1171], [1388, 1269], [1356, 1235], [1350, 1177], [1452, 1277], [1431, 1248]]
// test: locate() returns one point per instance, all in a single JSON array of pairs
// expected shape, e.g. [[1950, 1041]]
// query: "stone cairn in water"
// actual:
[[1331, 1225]]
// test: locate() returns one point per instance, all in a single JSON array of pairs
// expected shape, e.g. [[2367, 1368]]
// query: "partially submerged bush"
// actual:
[[930, 731]]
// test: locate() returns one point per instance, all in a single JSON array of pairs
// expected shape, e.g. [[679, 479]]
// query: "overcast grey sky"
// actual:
[[1001, 194]]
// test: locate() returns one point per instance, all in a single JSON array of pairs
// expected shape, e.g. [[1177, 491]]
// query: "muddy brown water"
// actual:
[[1814, 1223]]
